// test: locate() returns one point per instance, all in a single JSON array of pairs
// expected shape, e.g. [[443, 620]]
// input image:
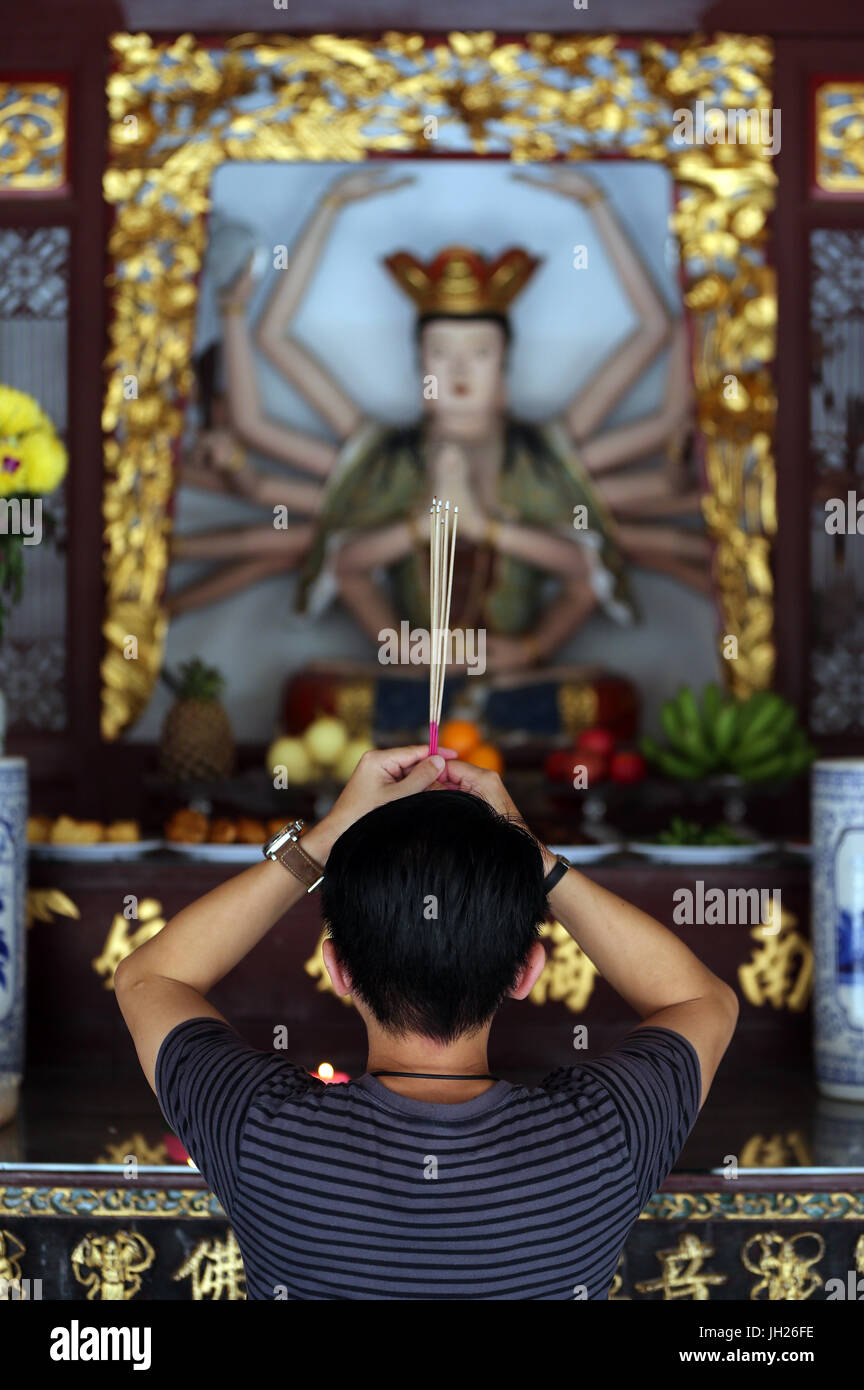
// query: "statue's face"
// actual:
[[466, 362]]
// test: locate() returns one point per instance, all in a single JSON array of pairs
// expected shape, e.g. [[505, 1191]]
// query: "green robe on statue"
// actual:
[[382, 479]]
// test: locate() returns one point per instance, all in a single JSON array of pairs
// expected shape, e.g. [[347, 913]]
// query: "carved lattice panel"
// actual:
[[837, 451], [34, 300]]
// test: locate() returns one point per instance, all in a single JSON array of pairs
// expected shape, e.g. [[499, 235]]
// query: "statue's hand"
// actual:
[[239, 292], [451, 483], [219, 450], [365, 183], [473, 523], [566, 180]]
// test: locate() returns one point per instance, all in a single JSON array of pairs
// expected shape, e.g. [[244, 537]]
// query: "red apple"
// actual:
[[596, 767], [596, 741], [627, 767], [558, 764]]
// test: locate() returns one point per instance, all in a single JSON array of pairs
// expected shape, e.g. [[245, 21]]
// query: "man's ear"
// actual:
[[530, 972], [340, 981]]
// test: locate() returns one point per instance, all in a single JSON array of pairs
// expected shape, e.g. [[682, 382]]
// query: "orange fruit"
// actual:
[[487, 755], [461, 735]]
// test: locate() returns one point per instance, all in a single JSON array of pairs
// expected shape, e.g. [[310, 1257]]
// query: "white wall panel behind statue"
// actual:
[[360, 324]]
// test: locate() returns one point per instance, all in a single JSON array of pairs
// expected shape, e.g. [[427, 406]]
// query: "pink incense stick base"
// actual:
[[433, 738]]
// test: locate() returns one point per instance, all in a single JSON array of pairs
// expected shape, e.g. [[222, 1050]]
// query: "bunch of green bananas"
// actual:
[[686, 832], [758, 739]]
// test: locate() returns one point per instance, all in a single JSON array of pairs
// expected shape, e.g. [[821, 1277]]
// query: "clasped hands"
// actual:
[[385, 775], [450, 483]]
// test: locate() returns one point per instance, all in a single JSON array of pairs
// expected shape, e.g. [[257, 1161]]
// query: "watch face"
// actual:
[[290, 832]]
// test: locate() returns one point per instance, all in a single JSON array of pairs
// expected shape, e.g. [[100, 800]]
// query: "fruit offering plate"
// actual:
[[215, 854], [587, 853], [701, 854], [102, 852]]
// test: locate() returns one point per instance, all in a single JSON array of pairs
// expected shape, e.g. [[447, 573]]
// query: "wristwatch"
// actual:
[[286, 850]]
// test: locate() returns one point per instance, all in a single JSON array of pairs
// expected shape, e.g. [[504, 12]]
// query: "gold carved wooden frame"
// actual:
[[198, 1203], [179, 110], [34, 136]]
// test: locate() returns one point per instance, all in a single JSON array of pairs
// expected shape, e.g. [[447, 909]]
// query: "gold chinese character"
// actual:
[[681, 1277], [776, 1151], [615, 1294], [42, 903], [780, 969], [125, 936], [568, 976], [223, 1270], [110, 1267], [785, 1275], [10, 1264], [138, 1149]]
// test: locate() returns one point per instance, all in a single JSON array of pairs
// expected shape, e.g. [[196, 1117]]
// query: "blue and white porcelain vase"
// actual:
[[13, 888], [838, 926]]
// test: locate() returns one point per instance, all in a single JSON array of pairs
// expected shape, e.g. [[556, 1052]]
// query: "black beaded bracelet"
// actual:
[[555, 875]]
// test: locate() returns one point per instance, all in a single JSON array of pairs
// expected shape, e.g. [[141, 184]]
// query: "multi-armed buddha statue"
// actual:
[[552, 515]]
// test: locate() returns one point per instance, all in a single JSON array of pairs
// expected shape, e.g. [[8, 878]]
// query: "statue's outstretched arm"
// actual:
[[567, 612], [255, 542], [227, 581], [299, 366], [684, 555], [382, 546], [614, 377], [385, 545], [369, 604], [626, 443], [353, 565], [250, 421], [542, 548], [216, 464]]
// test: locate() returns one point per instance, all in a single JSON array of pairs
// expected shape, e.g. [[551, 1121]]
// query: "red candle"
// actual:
[[326, 1073]]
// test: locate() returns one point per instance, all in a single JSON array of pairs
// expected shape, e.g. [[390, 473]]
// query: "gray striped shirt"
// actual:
[[353, 1192]]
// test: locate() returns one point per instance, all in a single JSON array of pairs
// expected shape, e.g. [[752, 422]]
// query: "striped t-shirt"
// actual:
[[354, 1192]]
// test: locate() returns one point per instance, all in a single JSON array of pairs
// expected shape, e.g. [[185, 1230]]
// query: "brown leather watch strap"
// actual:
[[300, 864]]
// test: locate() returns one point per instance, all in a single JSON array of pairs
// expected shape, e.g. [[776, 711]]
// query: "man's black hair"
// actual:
[[488, 317], [432, 904]]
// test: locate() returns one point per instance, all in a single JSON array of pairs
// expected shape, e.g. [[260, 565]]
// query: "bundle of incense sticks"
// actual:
[[442, 551]]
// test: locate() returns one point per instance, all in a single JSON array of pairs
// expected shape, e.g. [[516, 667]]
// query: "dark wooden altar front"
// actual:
[[768, 1192], [90, 1202]]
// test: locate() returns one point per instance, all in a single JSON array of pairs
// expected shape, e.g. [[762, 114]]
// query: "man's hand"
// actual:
[[380, 776], [479, 781]]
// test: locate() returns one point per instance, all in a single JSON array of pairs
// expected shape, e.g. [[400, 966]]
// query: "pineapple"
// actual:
[[196, 740]]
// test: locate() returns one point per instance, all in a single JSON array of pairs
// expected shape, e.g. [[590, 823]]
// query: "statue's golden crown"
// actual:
[[462, 281]]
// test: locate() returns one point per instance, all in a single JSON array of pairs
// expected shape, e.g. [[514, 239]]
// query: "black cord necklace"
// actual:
[[434, 1076]]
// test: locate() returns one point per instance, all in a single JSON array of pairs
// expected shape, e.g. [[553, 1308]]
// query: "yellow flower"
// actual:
[[44, 461], [19, 413], [12, 471], [32, 458]]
